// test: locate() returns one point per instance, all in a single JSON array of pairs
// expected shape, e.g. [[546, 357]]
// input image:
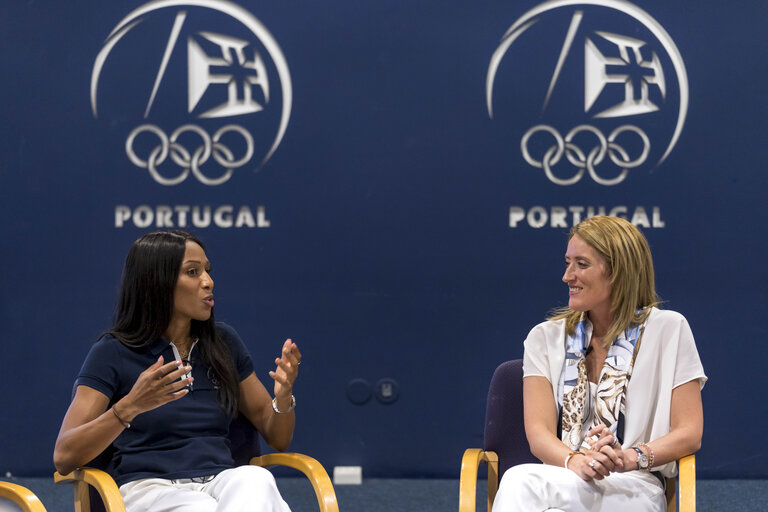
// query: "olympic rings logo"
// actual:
[[581, 160], [190, 161]]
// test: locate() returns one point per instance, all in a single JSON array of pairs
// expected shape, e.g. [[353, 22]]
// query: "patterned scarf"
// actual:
[[574, 398]]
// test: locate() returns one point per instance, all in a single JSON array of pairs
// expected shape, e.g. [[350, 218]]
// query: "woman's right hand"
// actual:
[[89, 427], [156, 386], [596, 465], [604, 458]]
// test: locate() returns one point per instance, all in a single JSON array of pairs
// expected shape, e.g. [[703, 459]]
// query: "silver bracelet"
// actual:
[[278, 411]]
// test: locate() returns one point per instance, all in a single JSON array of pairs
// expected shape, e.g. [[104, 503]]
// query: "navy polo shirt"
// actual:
[[185, 438]]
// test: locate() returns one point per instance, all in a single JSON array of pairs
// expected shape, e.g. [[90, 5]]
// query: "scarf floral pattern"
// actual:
[[574, 398]]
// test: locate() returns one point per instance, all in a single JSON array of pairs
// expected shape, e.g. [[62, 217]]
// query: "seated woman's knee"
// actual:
[[251, 476]]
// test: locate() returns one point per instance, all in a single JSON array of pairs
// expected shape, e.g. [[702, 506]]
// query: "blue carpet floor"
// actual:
[[397, 495]]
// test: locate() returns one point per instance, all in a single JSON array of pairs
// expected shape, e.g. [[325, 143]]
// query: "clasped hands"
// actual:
[[604, 457]]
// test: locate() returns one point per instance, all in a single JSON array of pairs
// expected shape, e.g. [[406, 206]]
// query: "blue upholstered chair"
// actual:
[[505, 445]]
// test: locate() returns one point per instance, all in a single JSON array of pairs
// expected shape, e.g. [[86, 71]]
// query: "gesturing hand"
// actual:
[[287, 370], [156, 386]]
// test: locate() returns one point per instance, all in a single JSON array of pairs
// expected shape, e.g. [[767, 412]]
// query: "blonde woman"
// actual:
[[612, 385]]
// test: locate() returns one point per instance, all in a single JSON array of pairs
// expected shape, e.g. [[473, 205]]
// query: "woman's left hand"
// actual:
[[600, 436], [287, 370]]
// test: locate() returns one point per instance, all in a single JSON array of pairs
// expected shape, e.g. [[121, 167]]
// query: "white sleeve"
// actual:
[[688, 366], [535, 356]]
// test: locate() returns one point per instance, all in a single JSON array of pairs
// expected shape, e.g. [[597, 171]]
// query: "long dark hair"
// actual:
[[146, 305]]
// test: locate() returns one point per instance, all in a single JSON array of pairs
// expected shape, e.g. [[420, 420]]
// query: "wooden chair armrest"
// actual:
[[686, 475], [470, 463], [99, 480], [321, 483], [21, 496]]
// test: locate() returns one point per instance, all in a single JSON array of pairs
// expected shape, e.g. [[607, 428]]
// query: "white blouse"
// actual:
[[667, 358]]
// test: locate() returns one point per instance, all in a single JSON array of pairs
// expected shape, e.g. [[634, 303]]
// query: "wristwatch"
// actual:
[[642, 459]]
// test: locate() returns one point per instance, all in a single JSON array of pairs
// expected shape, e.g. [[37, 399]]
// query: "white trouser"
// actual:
[[240, 489], [538, 487]]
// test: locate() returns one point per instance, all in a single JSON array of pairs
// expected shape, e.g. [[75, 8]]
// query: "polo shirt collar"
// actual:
[[158, 346]]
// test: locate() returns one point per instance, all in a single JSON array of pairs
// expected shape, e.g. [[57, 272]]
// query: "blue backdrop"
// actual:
[[389, 184]]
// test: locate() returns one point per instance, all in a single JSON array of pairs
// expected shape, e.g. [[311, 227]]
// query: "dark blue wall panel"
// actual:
[[385, 220]]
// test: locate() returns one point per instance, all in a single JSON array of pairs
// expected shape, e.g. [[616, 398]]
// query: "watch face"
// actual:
[[642, 459]]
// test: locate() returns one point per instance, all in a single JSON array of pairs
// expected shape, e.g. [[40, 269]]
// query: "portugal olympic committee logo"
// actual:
[[196, 87], [609, 104]]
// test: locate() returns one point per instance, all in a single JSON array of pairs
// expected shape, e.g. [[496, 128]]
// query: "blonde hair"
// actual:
[[630, 270]]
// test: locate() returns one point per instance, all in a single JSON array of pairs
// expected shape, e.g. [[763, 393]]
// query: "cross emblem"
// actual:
[[231, 68], [628, 69]]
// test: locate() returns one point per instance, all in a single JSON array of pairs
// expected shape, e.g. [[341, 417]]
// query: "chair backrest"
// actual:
[[244, 440], [504, 428]]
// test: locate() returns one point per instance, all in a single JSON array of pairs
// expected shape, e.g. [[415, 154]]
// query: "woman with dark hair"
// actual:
[[611, 385], [163, 384]]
